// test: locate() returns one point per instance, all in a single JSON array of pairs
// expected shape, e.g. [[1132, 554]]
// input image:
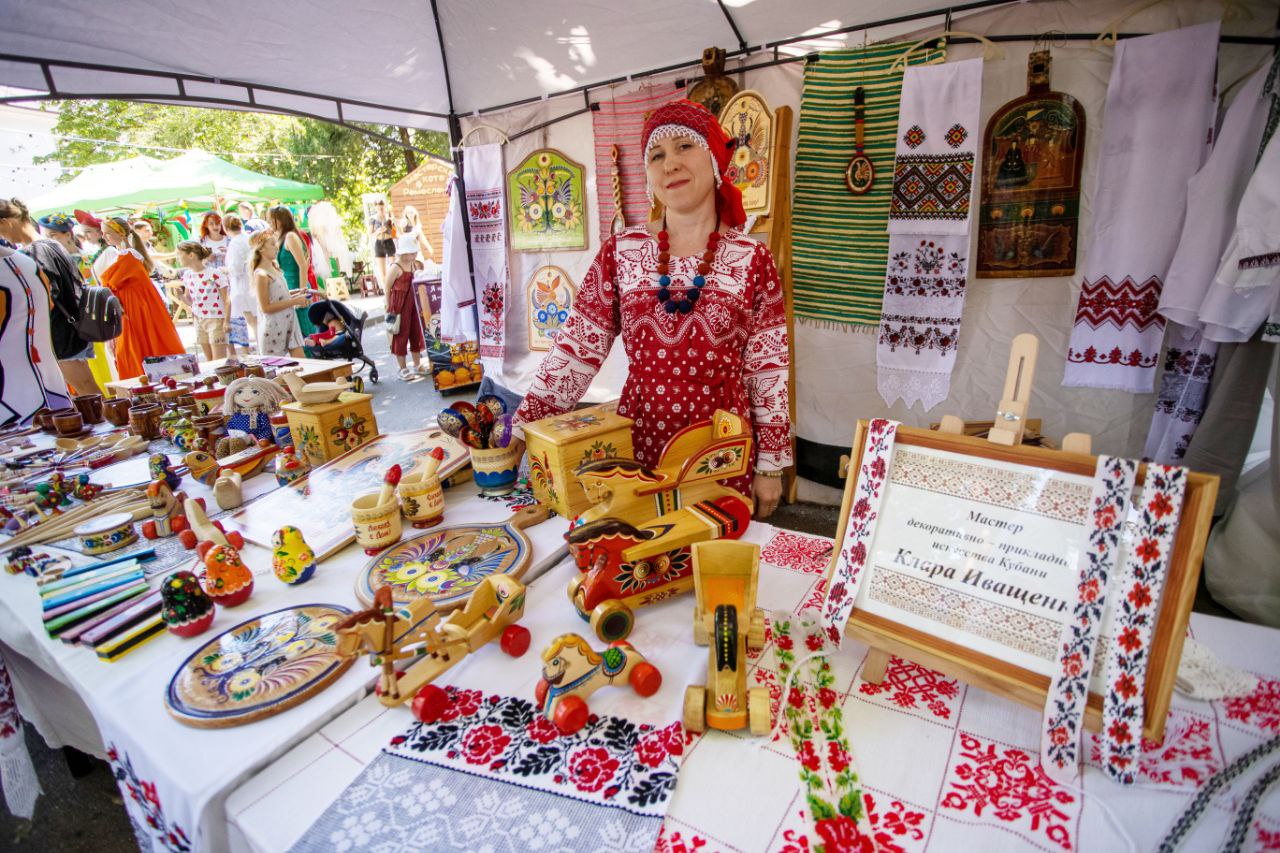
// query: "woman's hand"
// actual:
[[767, 491], [299, 301]]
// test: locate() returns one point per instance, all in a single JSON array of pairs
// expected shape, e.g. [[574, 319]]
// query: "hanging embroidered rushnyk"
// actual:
[[1069, 689], [617, 123], [1189, 361], [1159, 110], [928, 232], [1029, 216], [1147, 553], [839, 238], [485, 211]]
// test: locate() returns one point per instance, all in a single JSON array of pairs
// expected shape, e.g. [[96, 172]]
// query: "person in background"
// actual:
[[278, 332], [382, 234], [160, 272], [60, 275], [251, 223], [93, 244], [214, 238], [403, 302], [244, 314], [148, 329], [205, 292], [28, 382], [411, 223], [293, 258], [333, 337]]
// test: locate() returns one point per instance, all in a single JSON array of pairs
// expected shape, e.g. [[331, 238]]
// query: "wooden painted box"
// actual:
[[559, 444], [324, 431]]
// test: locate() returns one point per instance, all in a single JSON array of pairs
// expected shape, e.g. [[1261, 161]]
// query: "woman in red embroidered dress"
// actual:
[[698, 305]]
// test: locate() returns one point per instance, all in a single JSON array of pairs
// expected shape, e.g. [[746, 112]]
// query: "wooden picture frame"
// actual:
[[998, 676]]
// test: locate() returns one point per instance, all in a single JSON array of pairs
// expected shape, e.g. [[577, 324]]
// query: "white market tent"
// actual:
[[411, 64]]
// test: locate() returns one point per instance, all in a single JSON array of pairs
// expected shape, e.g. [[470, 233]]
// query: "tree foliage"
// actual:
[[274, 144]]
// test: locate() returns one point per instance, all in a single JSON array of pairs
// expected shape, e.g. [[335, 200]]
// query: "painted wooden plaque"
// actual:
[[551, 293], [320, 505], [749, 122], [548, 205], [259, 668], [1029, 221], [446, 564]]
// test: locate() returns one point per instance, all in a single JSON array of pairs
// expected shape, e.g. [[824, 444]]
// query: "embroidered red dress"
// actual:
[[729, 352]]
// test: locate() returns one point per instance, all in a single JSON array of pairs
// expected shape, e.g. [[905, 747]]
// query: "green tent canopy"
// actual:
[[194, 178]]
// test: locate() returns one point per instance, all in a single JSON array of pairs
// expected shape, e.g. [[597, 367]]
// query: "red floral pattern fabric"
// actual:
[[797, 552], [909, 685], [1260, 709], [730, 352]]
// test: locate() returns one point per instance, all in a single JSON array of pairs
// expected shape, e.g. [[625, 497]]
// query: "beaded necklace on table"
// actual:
[[670, 302]]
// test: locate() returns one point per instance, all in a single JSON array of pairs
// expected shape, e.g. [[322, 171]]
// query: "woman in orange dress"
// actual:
[[147, 330]]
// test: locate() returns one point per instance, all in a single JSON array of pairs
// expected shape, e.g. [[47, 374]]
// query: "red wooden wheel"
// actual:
[[235, 540], [188, 539], [570, 715], [515, 640], [430, 703], [645, 679]]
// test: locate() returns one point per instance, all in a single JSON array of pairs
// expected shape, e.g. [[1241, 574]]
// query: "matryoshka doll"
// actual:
[[289, 467], [292, 559], [186, 609], [227, 580]]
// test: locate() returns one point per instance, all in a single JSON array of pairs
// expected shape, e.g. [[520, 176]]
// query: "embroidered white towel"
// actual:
[[457, 296], [487, 213]]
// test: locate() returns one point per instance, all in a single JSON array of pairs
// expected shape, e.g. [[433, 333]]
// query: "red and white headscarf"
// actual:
[[686, 118]]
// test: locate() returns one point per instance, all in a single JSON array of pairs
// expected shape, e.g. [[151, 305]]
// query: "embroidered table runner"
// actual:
[[495, 774], [839, 241], [1159, 110], [929, 220], [486, 211], [618, 120]]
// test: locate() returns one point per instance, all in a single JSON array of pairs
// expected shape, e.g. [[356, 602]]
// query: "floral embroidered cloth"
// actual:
[[1159, 112], [486, 211], [928, 268], [494, 773], [17, 774]]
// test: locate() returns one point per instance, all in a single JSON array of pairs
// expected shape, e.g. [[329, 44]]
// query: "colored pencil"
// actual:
[[143, 608], [55, 627], [78, 594], [80, 632]]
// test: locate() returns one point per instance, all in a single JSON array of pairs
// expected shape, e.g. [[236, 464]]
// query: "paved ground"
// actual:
[[86, 815]]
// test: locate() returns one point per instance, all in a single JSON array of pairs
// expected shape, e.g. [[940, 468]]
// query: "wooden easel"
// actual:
[[1010, 424]]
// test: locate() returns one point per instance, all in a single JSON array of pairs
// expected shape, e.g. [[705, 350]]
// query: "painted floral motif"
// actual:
[[520, 498], [1186, 757], [808, 555], [1136, 597], [1064, 708], [350, 431], [833, 790], [658, 570], [546, 193], [721, 460], [309, 437], [1005, 784], [1261, 708], [599, 450], [444, 564], [914, 137], [153, 829], [909, 685], [609, 761], [575, 422], [542, 476]]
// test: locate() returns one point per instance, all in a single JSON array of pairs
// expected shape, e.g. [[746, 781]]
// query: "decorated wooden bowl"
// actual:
[[107, 533]]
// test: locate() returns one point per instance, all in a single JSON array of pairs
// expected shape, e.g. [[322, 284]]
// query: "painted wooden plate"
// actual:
[[259, 668], [447, 563]]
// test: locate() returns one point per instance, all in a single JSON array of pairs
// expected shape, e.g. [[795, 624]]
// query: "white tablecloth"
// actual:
[[945, 766], [175, 776]]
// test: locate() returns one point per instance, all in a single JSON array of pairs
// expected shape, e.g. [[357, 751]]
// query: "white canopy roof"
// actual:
[[357, 60]]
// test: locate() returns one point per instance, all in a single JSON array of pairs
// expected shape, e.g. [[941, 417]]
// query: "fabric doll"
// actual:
[[248, 404]]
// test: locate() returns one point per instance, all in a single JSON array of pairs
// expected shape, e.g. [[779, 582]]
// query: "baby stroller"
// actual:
[[353, 347]]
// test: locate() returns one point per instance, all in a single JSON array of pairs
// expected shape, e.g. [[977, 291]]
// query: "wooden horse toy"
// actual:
[[206, 469], [632, 548], [572, 671], [167, 507], [203, 534], [415, 632]]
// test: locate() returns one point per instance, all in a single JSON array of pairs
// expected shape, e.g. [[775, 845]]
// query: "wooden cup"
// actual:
[[90, 407], [144, 420], [495, 470], [68, 422], [116, 410], [421, 500], [378, 526]]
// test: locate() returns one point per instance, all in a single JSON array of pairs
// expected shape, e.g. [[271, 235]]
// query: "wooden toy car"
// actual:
[[415, 631], [725, 576], [572, 671], [632, 548], [203, 534]]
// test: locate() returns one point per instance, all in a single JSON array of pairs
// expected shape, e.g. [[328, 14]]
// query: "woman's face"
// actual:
[[112, 236], [680, 173], [11, 229], [62, 238], [92, 235], [215, 229], [190, 260], [270, 247]]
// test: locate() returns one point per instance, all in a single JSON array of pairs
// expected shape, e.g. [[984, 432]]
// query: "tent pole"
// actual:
[[733, 25]]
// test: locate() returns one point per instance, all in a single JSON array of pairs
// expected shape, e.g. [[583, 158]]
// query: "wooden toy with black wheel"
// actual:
[[726, 575]]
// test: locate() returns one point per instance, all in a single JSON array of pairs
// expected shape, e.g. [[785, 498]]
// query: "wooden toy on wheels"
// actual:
[[414, 631], [632, 547], [572, 671], [725, 576], [203, 534]]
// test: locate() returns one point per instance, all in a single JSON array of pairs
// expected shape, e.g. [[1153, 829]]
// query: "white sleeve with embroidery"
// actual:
[[581, 346], [766, 365]]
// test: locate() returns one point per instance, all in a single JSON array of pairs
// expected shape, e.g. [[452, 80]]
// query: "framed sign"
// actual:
[[547, 204], [550, 297], [973, 566], [749, 122]]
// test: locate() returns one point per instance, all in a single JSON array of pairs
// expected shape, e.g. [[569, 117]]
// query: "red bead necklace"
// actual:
[[671, 304]]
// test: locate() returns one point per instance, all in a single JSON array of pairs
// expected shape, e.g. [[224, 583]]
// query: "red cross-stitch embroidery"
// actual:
[[805, 554], [914, 136], [1007, 784], [1125, 302], [675, 843], [1186, 757], [909, 685], [1260, 708], [1267, 841]]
